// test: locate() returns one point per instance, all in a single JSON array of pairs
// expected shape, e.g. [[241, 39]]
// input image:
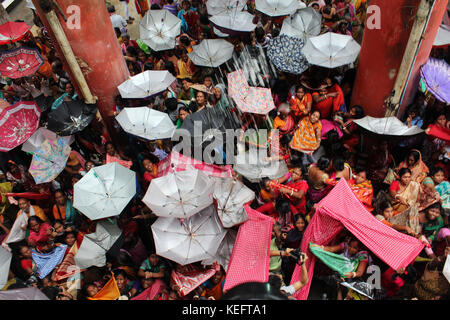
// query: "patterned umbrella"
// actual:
[[159, 28], [49, 160], [249, 99], [217, 7], [71, 117], [211, 53], [276, 8], [20, 62], [304, 23], [12, 32], [436, 77], [40, 136], [17, 123], [286, 54]]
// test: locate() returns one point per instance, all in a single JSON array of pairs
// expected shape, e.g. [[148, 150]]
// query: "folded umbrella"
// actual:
[[17, 123], [49, 160], [286, 53], [235, 21], [275, 8], [179, 194], [195, 239], [389, 126], [224, 251], [12, 32], [331, 50], [230, 196], [304, 23], [435, 75], [146, 84], [159, 28], [42, 134], [20, 62], [217, 7], [104, 191], [211, 53], [146, 123], [71, 117]]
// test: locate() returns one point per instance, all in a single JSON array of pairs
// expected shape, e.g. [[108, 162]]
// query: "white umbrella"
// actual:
[[331, 50], [159, 28], [145, 84], [215, 7], [254, 167], [304, 23], [238, 21], [146, 123], [36, 140], [5, 262], [275, 8], [390, 126], [211, 53], [442, 36], [446, 270], [195, 239], [179, 194], [92, 251], [219, 33], [224, 251], [231, 195], [22, 294], [104, 191]]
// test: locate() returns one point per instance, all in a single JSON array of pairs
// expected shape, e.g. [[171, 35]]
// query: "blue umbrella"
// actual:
[[435, 76], [285, 52]]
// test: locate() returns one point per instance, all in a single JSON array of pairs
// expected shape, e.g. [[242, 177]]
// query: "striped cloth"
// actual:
[[46, 262], [249, 261], [182, 163], [341, 209]]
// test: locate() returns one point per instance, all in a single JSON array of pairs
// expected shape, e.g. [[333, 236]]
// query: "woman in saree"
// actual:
[[301, 102], [378, 167], [413, 162], [220, 97], [349, 128], [442, 186], [284, 122], [317, 177], [404, 191], [63, 209], [308, 136]]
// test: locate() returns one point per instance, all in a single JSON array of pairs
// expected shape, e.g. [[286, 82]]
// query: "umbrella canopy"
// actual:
[[211, 53], [217, 7], [254, 167], [159, 28], [360, 287], [237, 21], [436, 76], [195, 239], [104, 191], [146, 123], [44, 102], [443, 36], [71, 117], [146, 84], [389, 126], [303, 24], [20, 62], [40, 136], [220, 33], [12, 32], [5, 262], [17, 123], [49, 160], [198, 123], [30, 293], [179, 194], [249, 99], [286, 54], [331, 50], [275, 8], [224, 251], [230, 196]]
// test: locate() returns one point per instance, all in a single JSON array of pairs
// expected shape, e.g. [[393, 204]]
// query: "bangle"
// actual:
[[292, 191]]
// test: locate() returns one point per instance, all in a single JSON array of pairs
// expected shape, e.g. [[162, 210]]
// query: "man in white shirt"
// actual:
[[116, 20]]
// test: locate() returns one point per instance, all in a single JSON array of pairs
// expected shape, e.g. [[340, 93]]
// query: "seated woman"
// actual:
[[41, 234], [428, 194], [26, 261], [284, 122], [308, 136], [280, 210], [63, 209], [267, 193], [385, 212], [438, 135], [212, 288], [404, 192], [349, 128], [340, 169], [433, 222], [414, 162], [442, 186], [317, 177], [294, 188], [301, 103], [294, 236], [124, 285], [150, 172]]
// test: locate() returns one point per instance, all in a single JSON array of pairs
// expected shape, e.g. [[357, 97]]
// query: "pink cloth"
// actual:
[[341, 209], [327, 126], [250, 257], [79, 157], [151, 292], [182, 163], [126, 164], [192, 277]]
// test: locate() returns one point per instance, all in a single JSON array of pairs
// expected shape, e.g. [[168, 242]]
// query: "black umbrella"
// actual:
[[44, 103], [71, 117]]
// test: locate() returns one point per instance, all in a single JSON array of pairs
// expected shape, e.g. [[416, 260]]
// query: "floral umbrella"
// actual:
[[286, 54], [12, 32], [17, 123], [436, 78], [20, 62]]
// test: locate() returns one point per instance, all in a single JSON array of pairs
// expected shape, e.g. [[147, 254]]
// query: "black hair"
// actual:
[[259, 34], [58, 221], [204, 19], [111, 8], [148, 66], [276, 32], [171, 104], [282, 206], [435, 170], [155, 7], [403, 171], [35, 219], [169, 66], [184, 40], [415, 154], [359, 111], [383, 206], [338, 163], [299, 216], [436, 205], [323, 163], [59, 191], [118, 272], [132, 50]]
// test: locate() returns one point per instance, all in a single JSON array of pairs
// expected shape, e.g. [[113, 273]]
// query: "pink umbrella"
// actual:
[[12, 32], [17, 123], [249, 99], [20, 62]]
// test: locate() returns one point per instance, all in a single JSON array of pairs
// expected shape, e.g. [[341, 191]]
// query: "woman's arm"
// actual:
[[282, 253], [159, 274]]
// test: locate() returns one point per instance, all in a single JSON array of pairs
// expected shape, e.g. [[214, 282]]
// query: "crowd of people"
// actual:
[[403, 182]]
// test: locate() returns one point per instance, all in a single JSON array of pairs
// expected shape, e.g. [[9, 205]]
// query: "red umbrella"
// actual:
[[17, 123], [12, 32], [20, 62]]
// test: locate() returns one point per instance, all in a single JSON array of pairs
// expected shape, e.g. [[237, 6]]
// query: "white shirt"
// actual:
[[117, 21]]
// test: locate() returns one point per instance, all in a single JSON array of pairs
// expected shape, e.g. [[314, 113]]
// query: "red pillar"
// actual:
[[96, 44], [381, 54], [426, 45]]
